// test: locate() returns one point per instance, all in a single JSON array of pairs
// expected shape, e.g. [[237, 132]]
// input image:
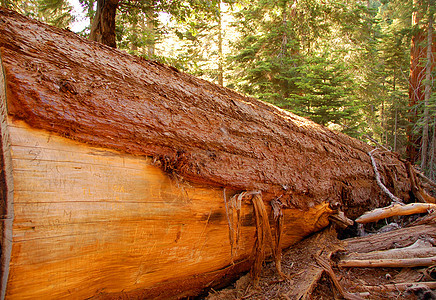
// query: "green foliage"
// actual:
[[291, 58], [53, 12], [140, 30]]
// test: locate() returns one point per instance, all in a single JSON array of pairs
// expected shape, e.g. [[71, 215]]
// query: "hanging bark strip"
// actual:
[[263, 235], [277, 205], [230, 223], [70, 92], [233, 206], [378, 180]]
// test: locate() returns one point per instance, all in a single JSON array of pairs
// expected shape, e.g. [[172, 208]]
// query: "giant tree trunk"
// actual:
[[116, 171], [103, 24], [428, 89], [418, 54]]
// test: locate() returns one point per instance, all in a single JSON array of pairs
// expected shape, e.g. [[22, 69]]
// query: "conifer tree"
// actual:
[[286, 56]]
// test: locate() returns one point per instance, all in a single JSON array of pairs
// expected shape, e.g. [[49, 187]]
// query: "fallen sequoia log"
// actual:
[[123, 177]]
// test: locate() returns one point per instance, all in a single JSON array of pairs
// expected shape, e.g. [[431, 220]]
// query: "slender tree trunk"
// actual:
[[220, 48], [428, 84], [432, 163], [151, 44], [382, 117], [396, 127], [103, 25], [396, 113], [134, 45]]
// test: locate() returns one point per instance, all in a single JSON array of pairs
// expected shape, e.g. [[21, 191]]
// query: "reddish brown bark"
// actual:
[[418, 57], [204, 133]]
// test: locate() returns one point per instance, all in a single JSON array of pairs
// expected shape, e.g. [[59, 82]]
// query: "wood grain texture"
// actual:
[[205, 133], [402, 237], [91, 220]]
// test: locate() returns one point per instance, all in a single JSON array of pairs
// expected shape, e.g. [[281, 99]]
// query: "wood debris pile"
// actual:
[[398, 261]]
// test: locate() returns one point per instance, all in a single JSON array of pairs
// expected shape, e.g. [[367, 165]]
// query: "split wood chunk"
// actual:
[[420, 249], [395, 210], [328, 269]]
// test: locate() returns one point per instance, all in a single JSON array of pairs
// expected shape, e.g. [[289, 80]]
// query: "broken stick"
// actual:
[[393, 254], [395, 210], [397, 238], [389, 263]]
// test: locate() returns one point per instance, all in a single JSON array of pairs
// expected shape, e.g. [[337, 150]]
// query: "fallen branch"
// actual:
[[398, 238], [395, 210], [378, 180], [399, 286], [376, 142], [427, 219], [420, 249], [389, 263]]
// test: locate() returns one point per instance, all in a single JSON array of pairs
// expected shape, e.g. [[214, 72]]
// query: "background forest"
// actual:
[[365, 68]]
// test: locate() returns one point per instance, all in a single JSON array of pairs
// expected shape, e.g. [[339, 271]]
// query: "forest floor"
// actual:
[[309, 277]]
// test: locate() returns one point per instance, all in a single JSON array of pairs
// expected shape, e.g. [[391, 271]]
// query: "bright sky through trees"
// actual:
[[81, 21]]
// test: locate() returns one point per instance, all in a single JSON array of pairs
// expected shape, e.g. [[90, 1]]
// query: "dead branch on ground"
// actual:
[[395, 210], [398, 238]]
